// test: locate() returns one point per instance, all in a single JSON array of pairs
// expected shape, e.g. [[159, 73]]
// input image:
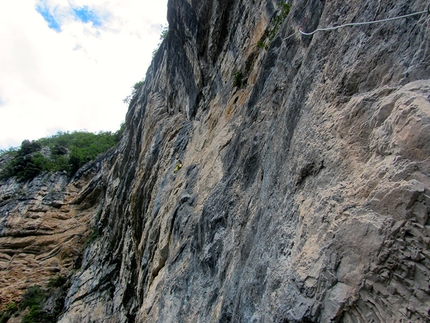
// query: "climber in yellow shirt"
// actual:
[[178, 164]]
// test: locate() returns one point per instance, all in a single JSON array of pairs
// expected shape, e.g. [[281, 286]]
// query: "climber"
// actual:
[[178, 164]]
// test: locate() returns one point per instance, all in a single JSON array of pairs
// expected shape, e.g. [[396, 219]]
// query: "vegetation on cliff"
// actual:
[[33, 305], [64, 151], [135, 88], [278, 19]]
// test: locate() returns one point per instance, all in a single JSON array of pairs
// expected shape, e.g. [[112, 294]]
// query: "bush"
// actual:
[[4, 317], [164, 32], [11, 309], [26, 163], [238, 79], [33, 302], [34, 299], [135, 88], [283, 11], [163, 36], [57, 281], [66, 152]]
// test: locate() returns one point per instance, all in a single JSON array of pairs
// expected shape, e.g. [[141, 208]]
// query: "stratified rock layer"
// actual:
[[44, 226], [304, 192]]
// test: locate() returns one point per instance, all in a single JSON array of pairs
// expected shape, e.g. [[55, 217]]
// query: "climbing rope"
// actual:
[[360, 23]]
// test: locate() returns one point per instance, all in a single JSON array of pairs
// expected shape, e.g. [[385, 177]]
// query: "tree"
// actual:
[[63, 151]]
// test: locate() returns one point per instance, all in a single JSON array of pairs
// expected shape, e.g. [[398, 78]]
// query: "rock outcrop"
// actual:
[[304, 192], [44, 226]]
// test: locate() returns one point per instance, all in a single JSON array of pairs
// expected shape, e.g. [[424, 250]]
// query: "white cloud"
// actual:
[[75, 78]]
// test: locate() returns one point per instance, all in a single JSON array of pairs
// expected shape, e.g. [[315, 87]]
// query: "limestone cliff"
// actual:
[[304, 192], [44, 226]]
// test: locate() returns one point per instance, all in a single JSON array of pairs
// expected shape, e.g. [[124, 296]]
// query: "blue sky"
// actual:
[[67, 65], [87, 15], [56, 15], [49, 16]]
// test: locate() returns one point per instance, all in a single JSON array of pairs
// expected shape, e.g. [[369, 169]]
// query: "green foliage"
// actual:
[[4, 317], [36, 314], [33, 302], [138, 85], [33, 299], [261, 44], [57, 281], [135, 88], [34, 296], [10, 151], [66, 152], [164, 32], [11, 309], [85, 146], [26, 162], [283, 11], [163, 36], [238, 79]]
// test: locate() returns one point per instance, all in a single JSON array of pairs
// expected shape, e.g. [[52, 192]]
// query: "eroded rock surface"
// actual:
[[304, 192], [44, 225]]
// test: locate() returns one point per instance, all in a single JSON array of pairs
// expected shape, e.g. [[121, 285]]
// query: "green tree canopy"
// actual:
[[64, 151]]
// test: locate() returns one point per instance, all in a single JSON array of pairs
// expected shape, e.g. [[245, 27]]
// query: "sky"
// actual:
[[67, 65]]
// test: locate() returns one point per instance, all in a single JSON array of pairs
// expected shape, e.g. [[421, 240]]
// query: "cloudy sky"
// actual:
[[67, 65]]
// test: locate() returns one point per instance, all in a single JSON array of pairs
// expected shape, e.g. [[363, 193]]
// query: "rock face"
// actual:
[[304, 192], [44, 226]]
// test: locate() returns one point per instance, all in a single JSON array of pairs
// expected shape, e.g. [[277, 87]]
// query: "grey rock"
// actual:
[[304, 192]]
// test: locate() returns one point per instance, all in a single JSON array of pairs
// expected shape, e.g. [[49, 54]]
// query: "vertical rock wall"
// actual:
[[45, 224], [304, 192]]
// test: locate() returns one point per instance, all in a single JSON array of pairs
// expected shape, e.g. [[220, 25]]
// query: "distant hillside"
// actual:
[[65, 151]]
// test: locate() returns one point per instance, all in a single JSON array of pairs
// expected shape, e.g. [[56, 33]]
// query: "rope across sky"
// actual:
[[360, 23]]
